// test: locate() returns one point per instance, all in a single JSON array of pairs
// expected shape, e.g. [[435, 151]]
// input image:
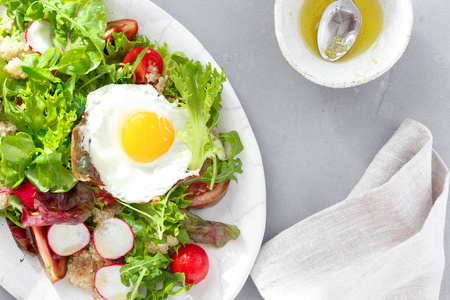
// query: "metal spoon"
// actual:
[[338, 28]]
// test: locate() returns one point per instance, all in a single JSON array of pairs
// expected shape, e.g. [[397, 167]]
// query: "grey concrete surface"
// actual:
[[316, 142]]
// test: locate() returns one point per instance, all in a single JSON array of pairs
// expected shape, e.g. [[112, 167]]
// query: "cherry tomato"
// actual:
[[127, 26], [149, 62], [191, 260]]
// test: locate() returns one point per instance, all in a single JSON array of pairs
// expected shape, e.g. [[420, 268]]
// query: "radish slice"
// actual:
[[38, 36], [66, 240], [113, 238], [109, 285]]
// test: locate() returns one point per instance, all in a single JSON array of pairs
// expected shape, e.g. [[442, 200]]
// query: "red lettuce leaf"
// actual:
[[208, 232], [72, 207], [22, 237]]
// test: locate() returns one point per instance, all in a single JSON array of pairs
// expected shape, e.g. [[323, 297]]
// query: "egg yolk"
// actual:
[[147, 136]]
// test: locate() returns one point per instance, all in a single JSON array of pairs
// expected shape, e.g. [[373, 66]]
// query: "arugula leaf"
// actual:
[[153, 272], [49, 58], [162, 216], [234, 141], [221, 170], [200, 90], [227, 168], [78, 25], [75, 61], [37, 67]]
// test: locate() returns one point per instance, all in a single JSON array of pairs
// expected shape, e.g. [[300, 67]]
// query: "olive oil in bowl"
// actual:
[[372, 23]]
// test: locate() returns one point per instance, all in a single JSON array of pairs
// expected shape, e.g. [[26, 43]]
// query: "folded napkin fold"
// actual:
[[384, 241]]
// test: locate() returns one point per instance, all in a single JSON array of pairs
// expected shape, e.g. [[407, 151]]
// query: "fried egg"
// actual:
[[133, 141]]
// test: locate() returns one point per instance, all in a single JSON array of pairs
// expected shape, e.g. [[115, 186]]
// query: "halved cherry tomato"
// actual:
[[151, 64], [127, 26], [191, 260]]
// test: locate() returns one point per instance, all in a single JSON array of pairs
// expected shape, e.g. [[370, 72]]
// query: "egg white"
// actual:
[[107, 111]]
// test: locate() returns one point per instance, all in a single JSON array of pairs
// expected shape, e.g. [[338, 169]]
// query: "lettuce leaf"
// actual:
[[17, 10], [14, 211], [208, 232], [119, 48], [45, 116], [17, 153], [200, 91], [22, 237], [71, 207]]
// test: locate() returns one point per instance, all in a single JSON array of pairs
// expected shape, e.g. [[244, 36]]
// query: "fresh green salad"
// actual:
[[65, 72]]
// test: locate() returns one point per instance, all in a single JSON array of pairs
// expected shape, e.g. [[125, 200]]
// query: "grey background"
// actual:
[[316, 142]]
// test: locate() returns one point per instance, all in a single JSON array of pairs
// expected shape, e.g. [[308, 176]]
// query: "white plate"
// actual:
[[244, 205]]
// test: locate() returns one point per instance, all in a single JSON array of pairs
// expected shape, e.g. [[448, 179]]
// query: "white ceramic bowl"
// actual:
[[383, 54]]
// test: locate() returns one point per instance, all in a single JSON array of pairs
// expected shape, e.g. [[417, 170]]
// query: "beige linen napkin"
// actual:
[[384, 241]]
